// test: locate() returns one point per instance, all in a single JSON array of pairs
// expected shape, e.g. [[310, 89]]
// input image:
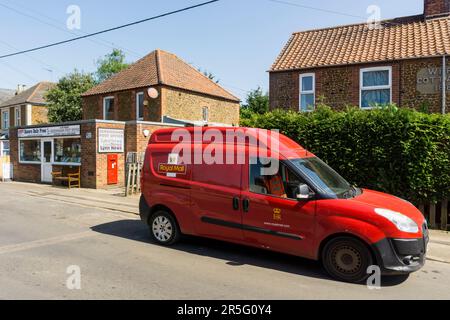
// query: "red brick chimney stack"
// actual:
[[436, 8]]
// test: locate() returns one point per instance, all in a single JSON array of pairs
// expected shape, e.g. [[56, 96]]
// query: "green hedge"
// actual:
[[398, 151]]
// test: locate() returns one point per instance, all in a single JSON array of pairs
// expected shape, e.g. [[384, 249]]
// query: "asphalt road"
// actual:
[[41, 238]]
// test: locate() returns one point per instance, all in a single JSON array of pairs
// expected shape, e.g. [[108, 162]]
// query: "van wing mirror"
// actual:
[[304, 192]]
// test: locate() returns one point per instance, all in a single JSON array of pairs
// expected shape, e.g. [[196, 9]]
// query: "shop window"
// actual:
[[140, 106], [307, 92], [4, 148], [5, 119], [30, 151], [376, 87], [67, 151], [108, 108]]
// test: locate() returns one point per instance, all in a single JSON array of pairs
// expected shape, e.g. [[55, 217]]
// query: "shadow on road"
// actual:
[[232, 254]]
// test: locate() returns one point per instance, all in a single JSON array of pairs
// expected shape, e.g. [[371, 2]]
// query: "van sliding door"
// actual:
[[216, 198]]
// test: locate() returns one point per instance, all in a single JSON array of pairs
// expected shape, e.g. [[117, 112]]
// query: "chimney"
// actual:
[[436, 8], [20, 88]]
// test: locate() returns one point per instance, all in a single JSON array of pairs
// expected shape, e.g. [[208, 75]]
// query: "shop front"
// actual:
[[49, 147], [95, 149]]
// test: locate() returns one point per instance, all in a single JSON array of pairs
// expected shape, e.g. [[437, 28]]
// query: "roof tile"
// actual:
[[34, 95], [161, 68], [402, 38]]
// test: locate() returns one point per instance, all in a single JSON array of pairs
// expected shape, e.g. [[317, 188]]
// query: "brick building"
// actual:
[[119, 115], [161, 88], [399, 61], [39, 150], [25, 107]]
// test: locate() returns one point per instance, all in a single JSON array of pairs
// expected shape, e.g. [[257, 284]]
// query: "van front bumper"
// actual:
[[401, 256]]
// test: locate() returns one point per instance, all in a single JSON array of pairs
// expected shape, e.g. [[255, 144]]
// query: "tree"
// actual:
[[110, 64], [257, 102], [64, 100]]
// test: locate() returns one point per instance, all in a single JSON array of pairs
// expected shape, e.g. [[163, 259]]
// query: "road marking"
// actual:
[[45, 242]]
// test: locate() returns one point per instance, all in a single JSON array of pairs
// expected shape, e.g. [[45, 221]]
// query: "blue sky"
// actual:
[[236, 40]]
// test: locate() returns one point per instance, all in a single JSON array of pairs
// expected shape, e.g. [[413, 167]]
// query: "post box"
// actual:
[[113, 169]]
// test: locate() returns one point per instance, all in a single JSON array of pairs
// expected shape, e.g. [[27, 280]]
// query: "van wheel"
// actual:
[[347, 259], [164, 228]]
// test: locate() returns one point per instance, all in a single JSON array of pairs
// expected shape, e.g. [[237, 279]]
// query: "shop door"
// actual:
[[46, 165]]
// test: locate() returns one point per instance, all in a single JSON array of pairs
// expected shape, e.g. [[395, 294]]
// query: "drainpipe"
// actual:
[[444, 84]]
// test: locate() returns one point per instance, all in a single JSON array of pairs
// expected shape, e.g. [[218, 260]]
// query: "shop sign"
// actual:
[[429, 80], [111, 141], [59, 131]]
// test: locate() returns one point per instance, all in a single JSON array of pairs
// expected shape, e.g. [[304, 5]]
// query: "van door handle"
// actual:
[[246, 205], [236, 203]]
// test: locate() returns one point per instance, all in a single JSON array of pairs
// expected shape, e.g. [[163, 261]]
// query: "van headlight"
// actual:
[[402, 222]]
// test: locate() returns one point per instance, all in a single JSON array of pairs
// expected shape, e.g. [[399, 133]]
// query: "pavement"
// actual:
[[45, 230]]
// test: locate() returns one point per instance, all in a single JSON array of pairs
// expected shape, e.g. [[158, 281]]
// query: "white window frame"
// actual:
[[139, 94], [63, 164], [313, 91], [18, 116], [29, 139], [207, 114], [5, 112], [3, 149], [104, 106], [385, 87]]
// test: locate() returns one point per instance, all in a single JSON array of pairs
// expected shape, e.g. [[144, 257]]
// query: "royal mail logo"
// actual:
[[172, 168]]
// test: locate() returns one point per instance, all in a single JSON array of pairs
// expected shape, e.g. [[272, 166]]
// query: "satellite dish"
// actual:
[[153, 93]]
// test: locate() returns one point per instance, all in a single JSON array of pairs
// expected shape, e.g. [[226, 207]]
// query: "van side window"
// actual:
[[283, 184]]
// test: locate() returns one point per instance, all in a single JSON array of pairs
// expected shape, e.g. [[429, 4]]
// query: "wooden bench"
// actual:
[[71, 175]]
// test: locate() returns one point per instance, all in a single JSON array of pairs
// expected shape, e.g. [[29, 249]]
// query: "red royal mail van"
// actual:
[[273, 194]]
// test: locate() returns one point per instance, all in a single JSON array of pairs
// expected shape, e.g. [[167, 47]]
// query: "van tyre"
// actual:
[[164, 228], [347, 259]]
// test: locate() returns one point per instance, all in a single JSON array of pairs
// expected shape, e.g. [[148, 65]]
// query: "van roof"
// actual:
[[253, 137]]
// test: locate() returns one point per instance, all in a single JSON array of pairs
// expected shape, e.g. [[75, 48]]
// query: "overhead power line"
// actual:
[[109, 30], [292, 4], [317, 9], [56, 26]]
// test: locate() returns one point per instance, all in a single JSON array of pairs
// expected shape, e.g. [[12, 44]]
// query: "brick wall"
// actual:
[[340, 86], [101, 159], [92, 107], [22, 172], [185, 105], [436, 7], [171, 102], [39, 114], [124, 106]]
